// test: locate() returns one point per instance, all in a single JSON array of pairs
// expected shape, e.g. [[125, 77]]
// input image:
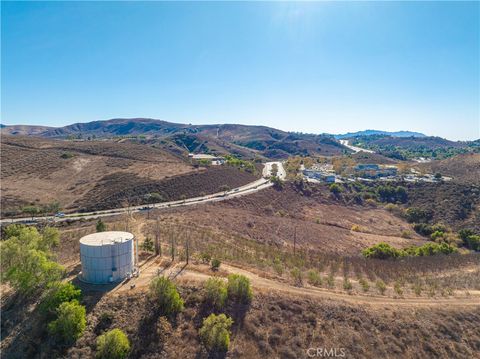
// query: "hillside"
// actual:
[[82, 175], [404, 148], [243, 140], [376, 132]]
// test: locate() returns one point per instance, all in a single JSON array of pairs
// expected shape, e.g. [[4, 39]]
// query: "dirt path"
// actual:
[[181, 272]]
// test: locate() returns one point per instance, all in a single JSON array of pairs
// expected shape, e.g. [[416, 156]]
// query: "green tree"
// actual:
[[239, 289], [215, 332], [31, 210], [26, 259], [216, 292], [165, 294], [70, 323], [114, 344], [101, 226], [58, 293]]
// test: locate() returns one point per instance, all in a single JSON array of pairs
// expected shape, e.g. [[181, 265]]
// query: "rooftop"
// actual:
[[105, 238]]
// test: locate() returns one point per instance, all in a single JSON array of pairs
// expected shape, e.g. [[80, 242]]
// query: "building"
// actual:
[[375, 171], [107, 257], [213, 160], [319, 175]]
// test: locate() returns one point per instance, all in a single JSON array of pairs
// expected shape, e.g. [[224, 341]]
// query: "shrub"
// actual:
[[347, 285], [216, 292], [414, 214], [314, 278], [364, 284], [148, 245], [397, 287], [330, 281], [57, 294], [70, 323], [335, 189], [473, 242], [278, 266], [406, 234], [380, 284], [381, 251], [101, 226], [356, 228], [67, 155], [297, 276], [215, 264], [114, 344], [166, 296], [205, 257], [239, 289], [215, 332], [430, 249]]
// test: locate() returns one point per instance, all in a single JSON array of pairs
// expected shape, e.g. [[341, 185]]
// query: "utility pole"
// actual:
[[295, 241], [187, 243]]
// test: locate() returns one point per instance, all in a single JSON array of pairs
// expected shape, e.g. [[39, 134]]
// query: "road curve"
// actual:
[[355, 148], [249, 188]]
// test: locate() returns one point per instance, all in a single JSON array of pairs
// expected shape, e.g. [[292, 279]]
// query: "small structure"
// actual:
[[203, 157], [107, 257], [319, 175], [375, 171]]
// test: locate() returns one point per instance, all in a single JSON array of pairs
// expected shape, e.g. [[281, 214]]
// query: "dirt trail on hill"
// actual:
[[180, 272]]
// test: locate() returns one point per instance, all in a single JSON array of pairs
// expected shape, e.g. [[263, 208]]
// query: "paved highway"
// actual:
[[249, 188], [355, 148]]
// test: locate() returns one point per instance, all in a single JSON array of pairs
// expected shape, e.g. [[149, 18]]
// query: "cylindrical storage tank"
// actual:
[[107, 257]]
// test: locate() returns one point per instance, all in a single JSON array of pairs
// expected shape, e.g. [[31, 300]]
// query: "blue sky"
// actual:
[[311, 67]]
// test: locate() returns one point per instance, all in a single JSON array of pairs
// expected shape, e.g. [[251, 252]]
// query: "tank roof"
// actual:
[[105, 238]]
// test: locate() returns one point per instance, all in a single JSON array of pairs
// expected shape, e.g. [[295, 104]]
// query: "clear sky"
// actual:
[[311, 67]]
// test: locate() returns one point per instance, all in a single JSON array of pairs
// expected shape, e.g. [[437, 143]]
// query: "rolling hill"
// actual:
[[242, 140]]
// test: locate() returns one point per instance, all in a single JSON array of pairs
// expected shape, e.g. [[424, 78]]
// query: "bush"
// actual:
[[239, 289], [148, 245], [314, 278], [473, 242], [406, 234], [430, 249], [335, 189], [100, 226], [57, 294], [380, 284], [297, 276], [398, 288], [205, 257], [70, 323], [215, 332], [216, 292], [364, 284], [166, 296], [381, 251], [215, 265], [414, 214], [114, 344], [347, 285]]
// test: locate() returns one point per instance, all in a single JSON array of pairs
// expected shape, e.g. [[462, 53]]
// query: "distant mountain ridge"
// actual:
[[377, 132]]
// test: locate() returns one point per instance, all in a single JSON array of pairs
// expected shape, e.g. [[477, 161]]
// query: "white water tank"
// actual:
[[107, 257]]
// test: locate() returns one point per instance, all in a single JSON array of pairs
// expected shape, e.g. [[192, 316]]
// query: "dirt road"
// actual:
[[190, 273]]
